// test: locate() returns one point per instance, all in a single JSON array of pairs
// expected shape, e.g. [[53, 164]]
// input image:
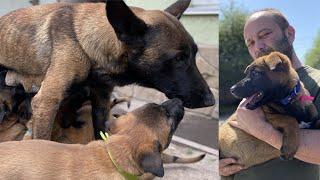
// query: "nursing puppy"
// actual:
[[273, 84], [136, 142], [52, 47]]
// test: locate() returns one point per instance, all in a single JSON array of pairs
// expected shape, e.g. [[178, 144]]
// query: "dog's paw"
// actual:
[[287, 152]]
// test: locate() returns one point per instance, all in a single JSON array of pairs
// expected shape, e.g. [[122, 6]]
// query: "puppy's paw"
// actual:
[[288, 152], [27, 135]]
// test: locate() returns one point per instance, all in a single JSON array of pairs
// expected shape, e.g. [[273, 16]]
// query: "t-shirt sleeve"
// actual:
[[311, 80]]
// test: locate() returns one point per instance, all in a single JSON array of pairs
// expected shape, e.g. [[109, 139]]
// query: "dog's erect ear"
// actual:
[[277, 61], [178, 8], [125, 23], [151, 162]]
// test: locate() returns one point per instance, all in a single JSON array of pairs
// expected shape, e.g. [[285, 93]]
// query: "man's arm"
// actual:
[[254, 123]]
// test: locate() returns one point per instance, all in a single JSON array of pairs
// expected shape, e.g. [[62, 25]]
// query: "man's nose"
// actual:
[[259, 46]]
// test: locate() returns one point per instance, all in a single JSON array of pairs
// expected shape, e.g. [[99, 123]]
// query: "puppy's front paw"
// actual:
[[27, 135], [287, 152]]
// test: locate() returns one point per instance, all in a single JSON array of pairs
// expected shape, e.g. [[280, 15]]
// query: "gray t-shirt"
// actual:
[[277, 169]]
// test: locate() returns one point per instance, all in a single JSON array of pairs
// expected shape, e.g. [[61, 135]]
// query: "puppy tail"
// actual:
[[175, 159]]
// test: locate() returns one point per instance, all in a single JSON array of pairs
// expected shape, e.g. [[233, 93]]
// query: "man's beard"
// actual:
[[283, 46]]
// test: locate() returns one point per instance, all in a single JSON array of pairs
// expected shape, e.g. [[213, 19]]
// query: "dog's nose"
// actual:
[[209, 99], [232, 89]]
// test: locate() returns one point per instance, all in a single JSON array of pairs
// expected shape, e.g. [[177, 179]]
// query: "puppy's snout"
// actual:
[[233, 89], [237, 90], [174, 108]]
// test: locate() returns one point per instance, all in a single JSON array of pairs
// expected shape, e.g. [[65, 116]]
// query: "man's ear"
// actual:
[[290, 33], [125, 23], [151, 162], [178, 8]]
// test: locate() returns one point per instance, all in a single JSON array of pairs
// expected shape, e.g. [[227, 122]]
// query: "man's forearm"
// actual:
[[309, 148]]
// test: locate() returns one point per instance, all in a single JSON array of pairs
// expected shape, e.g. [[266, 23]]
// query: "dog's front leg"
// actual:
[[45, 104], [100, 100], [290, 131]]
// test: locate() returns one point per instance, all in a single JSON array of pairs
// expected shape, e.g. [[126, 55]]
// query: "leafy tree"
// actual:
[[233, 53], [312, 57]]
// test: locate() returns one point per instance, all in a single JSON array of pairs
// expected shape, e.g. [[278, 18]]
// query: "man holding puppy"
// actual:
[[266, 31]]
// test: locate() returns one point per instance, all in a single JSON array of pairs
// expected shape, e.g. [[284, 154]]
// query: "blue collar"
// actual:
[[291, 95]]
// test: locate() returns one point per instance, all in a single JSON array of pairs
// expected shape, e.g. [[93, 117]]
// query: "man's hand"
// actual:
[[229, 166], [251, 121]]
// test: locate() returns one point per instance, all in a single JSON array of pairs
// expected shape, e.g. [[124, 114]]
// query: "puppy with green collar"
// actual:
[[134, 147]]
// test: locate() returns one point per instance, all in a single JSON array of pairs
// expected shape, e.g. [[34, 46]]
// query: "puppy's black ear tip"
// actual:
[[152, 163], [160, 173]]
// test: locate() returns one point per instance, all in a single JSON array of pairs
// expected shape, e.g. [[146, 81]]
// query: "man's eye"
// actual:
[[265, 35]]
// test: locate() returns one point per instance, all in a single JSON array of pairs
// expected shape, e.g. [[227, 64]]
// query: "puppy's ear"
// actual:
[[125, 23], [151, 162], [277, 62], [178, 8]]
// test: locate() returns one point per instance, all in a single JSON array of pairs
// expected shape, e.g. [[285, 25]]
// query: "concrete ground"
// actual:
[[205, 169]]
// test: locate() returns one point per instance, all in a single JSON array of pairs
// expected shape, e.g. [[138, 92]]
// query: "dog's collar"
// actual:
[[125, 174], [292, 94]]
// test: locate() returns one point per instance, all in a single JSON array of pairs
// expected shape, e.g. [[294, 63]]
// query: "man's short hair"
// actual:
[[279, 18]]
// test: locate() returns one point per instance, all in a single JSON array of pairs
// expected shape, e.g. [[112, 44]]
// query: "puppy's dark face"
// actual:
[[6, 102], [269, 78], [161, 53], [151, 128]]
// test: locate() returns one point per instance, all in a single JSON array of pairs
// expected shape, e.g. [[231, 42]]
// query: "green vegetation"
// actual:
[[312, 57], [233, 55]]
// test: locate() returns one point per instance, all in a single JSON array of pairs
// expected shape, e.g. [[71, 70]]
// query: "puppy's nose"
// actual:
[[175, 108], [232, 89], [172, 103]]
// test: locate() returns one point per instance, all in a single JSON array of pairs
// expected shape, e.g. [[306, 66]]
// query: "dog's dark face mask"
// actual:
[[161, 53], [267, 80]]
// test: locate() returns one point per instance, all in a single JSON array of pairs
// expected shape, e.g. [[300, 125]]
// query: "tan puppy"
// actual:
[[61, 44], [136, 143], [273, 84]]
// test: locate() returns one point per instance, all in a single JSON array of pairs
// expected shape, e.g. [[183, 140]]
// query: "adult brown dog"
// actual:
[[270, 82], [60, 44], [136, 142]]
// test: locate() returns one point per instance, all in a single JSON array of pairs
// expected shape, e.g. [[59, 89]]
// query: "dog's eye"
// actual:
[[181, 60], [167, 114], [255, 73]]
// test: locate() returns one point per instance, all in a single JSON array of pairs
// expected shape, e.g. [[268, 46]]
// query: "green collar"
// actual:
[[125, 174]]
